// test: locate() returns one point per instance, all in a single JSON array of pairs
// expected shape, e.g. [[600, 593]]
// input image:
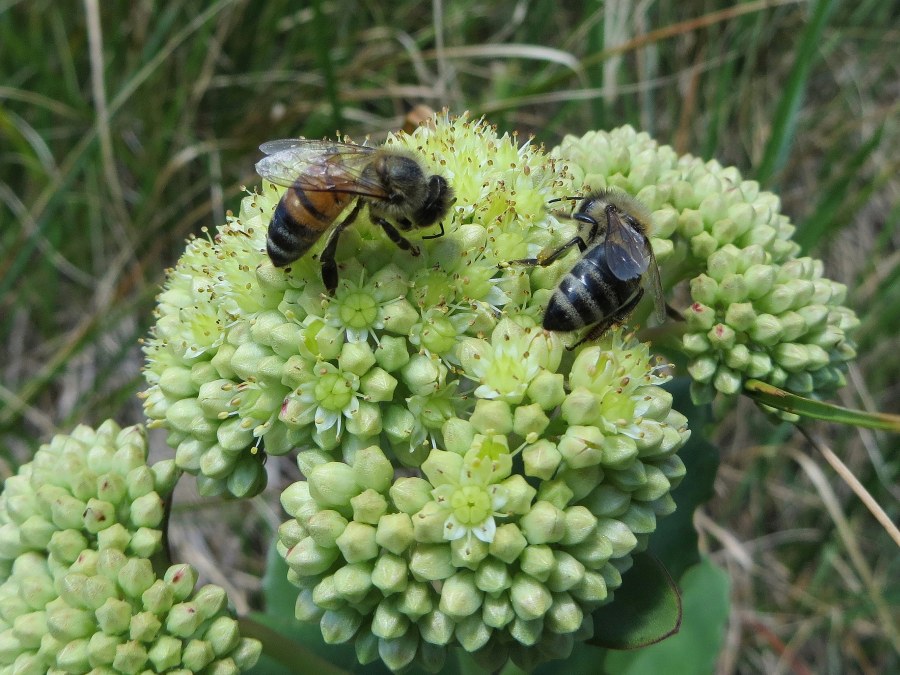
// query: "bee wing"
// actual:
[[627, 249], [319, 166], [653, 284]]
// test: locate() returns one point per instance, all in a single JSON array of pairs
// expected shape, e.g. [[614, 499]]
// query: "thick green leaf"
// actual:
[[694, 650], [646, 608]]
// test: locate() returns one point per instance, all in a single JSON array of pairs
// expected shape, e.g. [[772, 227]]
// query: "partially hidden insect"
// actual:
[[616, 264], [322, 179]]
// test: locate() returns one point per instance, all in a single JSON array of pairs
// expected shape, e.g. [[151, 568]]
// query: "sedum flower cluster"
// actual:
[[468, 480], [78, 593], [758, 311], [515, 527]]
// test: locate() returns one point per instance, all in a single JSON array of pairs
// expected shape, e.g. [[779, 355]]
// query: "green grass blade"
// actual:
[[839, 200], [785, 121]]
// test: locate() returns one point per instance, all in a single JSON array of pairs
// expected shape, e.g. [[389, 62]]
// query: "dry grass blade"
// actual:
[[848, 536]]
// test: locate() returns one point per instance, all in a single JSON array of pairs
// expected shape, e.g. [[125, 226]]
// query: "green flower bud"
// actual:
[[721, 336], [564, 615], [519, 494], [592, 588], [458, 435], [394, 532], [529, 421], [352, 582], [541, 459], [309, 559], [431, 562], [472, 633], [399, 318], [392, 353], [357, 542], [101, 649], [198, 654], [366, 421], [415, 600], [492, 417], [131, 657], [388, 622], [618, 534], [543, 524], [333, 484], [497, 611], [356, 358], [135, 577], [639, 518], [460, 597], [409, 495], [165, 653], [530, 598], [791, 357], [429, 523], [144, 627], [325, 527], [547, 390], [581, 446], [339, 626], [378, 385], [368, 507], [538, 562], [398, 653], [766, 330], [148, 510], [390, 574], [399, 424], [727, 381], [372, 470], [114, 616], [612, 576], [703, 245], [704, 291]]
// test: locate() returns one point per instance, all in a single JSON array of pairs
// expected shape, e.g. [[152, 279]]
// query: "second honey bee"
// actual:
[[617, 262], [323, 177]]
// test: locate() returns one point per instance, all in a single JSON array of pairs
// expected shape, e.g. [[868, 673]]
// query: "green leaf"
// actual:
[[705, 601], [770, 395], [675, 541], [645, 610]]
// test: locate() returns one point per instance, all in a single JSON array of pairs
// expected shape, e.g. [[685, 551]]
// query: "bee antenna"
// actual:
[[560, 199]]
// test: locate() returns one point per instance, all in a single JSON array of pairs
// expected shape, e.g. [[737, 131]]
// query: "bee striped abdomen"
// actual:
[[585, 295], [300, 218]]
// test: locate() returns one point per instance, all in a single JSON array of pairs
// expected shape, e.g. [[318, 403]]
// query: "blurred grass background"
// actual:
[[126, 127]]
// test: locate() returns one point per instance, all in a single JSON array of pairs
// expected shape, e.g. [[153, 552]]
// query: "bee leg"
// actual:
[[435, 236], [329, 266], [395, 235], [618, 318], [544, 261]]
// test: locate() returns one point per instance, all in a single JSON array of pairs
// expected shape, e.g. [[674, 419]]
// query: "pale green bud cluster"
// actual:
[[468, 480], [783, 324], [247, 360], [506, 540], [78, 592], [759, 311]]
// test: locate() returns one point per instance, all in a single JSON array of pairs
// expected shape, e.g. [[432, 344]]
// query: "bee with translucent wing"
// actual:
[[322, 179], [616, 265]]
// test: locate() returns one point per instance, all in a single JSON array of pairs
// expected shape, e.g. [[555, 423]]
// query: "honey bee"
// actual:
[[617, 262], [323, 177]]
